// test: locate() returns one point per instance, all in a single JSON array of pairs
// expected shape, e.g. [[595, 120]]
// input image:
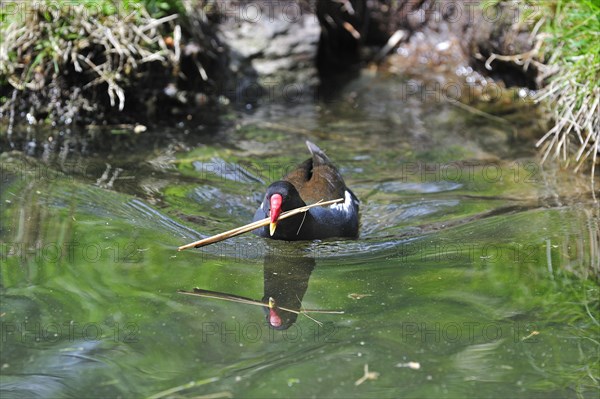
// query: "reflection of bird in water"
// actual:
[[285, 283], [313, 180], [286, 280]]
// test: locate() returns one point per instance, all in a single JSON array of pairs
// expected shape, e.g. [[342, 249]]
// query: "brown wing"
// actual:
[[317, 179]]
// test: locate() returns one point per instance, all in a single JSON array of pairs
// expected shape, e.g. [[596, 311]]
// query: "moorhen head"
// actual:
[[313, 180]]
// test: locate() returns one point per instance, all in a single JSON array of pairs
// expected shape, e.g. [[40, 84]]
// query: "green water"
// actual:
[[475, 274]]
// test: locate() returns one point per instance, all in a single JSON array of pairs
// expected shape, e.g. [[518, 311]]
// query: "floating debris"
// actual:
[[410, 365], [358, 296], [369, 375], [292, 381], [533, 334]]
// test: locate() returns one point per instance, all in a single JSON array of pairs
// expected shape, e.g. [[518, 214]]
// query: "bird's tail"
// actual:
[[316, 152]]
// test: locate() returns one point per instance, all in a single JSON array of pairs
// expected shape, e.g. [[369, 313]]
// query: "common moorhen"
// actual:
[[313, 180]]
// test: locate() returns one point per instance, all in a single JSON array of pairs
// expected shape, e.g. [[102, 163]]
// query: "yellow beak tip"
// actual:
[[272, 227]]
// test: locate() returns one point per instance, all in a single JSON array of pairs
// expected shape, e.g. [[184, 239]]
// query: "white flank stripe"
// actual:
[[345, 206]]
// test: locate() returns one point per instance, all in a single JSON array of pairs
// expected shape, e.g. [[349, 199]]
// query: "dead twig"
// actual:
[[254, 225]]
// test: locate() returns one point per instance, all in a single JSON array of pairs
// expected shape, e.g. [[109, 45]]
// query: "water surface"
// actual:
[[475, 274]]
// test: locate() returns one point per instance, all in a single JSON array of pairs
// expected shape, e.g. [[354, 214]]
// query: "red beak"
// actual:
[[275, 211]]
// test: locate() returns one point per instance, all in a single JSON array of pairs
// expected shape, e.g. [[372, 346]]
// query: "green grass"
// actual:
[[566, 51], [572, 96], [50, 10], [43, 42]]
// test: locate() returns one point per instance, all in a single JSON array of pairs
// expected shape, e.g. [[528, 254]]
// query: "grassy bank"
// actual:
[[565, 36], [572, 96], [62, 60]]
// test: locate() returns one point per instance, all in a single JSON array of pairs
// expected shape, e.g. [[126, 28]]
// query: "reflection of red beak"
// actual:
[[274, 318], [275, 211]]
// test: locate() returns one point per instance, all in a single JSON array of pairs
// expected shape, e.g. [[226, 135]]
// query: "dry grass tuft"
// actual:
[[39, 47], [566, 53]]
